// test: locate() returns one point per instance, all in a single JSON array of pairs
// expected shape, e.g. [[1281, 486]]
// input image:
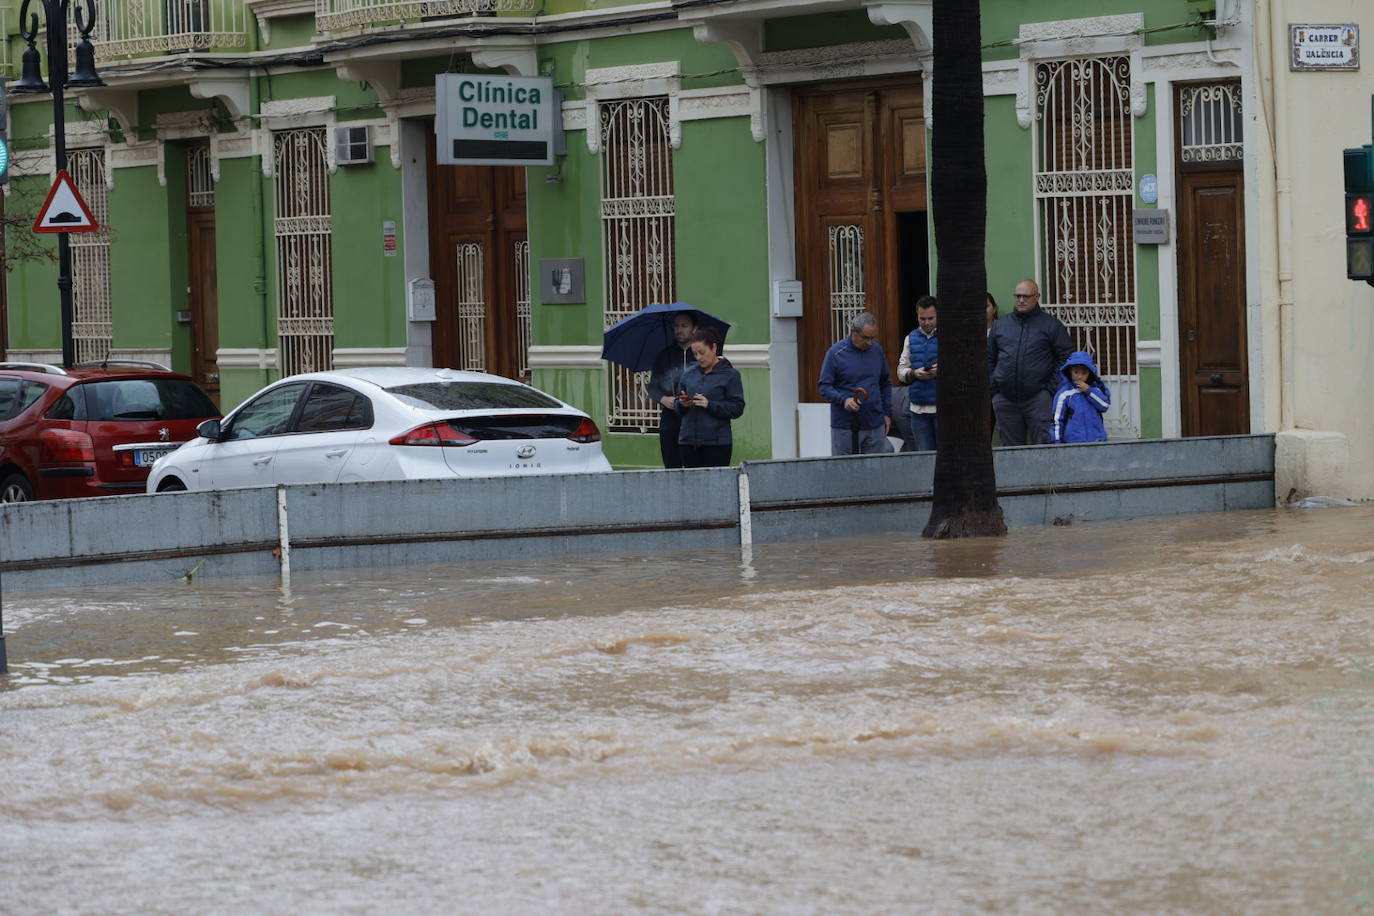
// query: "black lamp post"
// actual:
[[31, 81]]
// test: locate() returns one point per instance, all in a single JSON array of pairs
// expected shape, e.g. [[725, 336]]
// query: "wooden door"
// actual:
[[479, 260], [860, 166], [1213, 361], [201, 276]]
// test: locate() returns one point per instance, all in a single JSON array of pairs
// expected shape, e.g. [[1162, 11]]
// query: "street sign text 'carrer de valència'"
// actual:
[[488, 119]]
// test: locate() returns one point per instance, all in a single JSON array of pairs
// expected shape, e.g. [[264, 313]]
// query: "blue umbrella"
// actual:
[[635, 342]]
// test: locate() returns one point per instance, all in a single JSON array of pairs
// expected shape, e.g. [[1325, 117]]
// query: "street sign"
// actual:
[[64, 210]]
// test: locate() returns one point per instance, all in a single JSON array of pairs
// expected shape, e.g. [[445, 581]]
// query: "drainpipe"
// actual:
[[1277, 33], [259, 189]]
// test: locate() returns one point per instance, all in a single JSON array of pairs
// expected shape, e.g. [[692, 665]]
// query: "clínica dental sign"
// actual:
[[492, 119], [1324, 47]]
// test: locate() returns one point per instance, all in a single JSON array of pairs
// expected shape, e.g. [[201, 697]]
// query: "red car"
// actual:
[[92, 430]]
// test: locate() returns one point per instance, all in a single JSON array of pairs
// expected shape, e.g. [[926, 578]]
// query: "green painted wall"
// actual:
[[242, 210], [1011, 203], [145, 290], [369, 288], [821, 30], [35, 320], [1166, 21], [1147, 273], [291, 32], [312, 83], [701, 65]]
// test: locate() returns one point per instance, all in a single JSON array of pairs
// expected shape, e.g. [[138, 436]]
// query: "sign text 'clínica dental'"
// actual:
[[492, 119]]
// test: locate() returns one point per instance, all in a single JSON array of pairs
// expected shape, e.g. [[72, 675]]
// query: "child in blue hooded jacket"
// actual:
[[1080, 402]]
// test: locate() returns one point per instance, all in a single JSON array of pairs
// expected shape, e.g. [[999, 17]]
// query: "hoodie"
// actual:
[[1077, 415]]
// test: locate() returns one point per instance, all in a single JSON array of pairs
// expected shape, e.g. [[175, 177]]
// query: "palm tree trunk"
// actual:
[[965, 488]]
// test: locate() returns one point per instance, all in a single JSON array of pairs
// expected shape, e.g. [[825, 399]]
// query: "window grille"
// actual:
[[472, 306], [847, 297], [523, 312], [1084, 182], [92, 319], [638, 213], [200, 183], [1212, 129], [305, 299]]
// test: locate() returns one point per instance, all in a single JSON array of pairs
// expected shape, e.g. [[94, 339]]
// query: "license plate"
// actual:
[[144, 457]]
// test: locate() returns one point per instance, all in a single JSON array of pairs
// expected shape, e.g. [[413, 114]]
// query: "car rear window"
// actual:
[[141, 399], [16, 395], [472, 396]]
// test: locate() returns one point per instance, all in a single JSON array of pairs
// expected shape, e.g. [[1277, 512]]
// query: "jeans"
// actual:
[[923, 429]]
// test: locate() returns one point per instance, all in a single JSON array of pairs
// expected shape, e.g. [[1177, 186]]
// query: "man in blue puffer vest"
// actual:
[[919, 366]]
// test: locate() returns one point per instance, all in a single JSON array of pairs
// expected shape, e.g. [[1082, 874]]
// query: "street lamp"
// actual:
[[31, 81]]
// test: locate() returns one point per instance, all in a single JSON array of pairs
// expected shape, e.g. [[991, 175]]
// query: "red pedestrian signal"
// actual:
[[1359, 214]]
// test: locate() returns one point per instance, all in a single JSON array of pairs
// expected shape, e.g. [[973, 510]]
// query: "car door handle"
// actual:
[[262, 459], [336, 453]]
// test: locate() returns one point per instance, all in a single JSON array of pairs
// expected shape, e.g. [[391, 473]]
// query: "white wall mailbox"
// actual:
[[787, 299], [420, 300]]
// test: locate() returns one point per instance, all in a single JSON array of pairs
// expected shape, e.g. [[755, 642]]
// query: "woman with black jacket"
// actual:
[[710, 395]]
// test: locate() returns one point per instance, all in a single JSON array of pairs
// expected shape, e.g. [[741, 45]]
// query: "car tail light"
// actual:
[[434, 434], [67, 445], [586, 432]]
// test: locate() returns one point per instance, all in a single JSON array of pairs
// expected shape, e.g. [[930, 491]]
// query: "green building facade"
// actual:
[[271, 200]]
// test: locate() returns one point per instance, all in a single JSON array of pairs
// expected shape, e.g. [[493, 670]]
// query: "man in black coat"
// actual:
[[1025, 350]]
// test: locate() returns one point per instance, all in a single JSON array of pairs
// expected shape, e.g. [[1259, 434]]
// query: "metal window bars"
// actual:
[[1084, 186], [638, 218], [92, 295], [302, 225]]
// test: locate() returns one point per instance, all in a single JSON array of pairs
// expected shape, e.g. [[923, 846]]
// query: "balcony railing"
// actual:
[[338, 15], [126, 28]]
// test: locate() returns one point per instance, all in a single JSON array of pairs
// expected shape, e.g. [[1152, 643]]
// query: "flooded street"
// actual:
[[1161, 716]]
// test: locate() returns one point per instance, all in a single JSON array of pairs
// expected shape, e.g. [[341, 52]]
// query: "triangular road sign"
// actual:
[[64, 210]]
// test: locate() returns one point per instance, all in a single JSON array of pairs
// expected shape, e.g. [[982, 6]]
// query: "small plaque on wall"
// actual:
[[561, 281], [1151, 227]]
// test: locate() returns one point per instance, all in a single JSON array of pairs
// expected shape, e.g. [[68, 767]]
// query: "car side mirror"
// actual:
[[209, 429]]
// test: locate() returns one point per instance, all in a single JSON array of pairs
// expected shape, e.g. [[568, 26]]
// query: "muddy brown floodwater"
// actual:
[[1162, 716]]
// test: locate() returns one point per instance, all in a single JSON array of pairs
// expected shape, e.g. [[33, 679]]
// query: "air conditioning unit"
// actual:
[[353, 145]]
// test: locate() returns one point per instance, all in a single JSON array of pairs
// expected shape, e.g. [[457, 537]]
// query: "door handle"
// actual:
[[336, 453], [1216, 378], [261, 460], [1192, 335]]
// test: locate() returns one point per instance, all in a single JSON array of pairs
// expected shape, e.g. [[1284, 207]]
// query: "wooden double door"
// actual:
[[479, 261], [862, 238]]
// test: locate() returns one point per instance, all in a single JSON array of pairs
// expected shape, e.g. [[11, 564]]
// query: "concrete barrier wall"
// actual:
[[128, 539]]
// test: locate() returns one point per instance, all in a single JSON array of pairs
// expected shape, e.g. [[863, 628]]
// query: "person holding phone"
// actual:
[[710, 395], [919, 365]]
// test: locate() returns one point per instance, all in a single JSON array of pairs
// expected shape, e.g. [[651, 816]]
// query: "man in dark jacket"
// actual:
[[664, 386], [1025, 350], [855, 380]]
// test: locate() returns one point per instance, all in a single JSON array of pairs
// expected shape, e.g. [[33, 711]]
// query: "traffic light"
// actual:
[[1359, 213]]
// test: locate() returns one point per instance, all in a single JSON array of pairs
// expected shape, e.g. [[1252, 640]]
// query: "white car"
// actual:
[[384, 424]]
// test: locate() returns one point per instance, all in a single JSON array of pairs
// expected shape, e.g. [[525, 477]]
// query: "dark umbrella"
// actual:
[[636, 341]]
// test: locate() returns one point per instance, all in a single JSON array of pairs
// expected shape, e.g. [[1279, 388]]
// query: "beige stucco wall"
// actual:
[[1317, 327]]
